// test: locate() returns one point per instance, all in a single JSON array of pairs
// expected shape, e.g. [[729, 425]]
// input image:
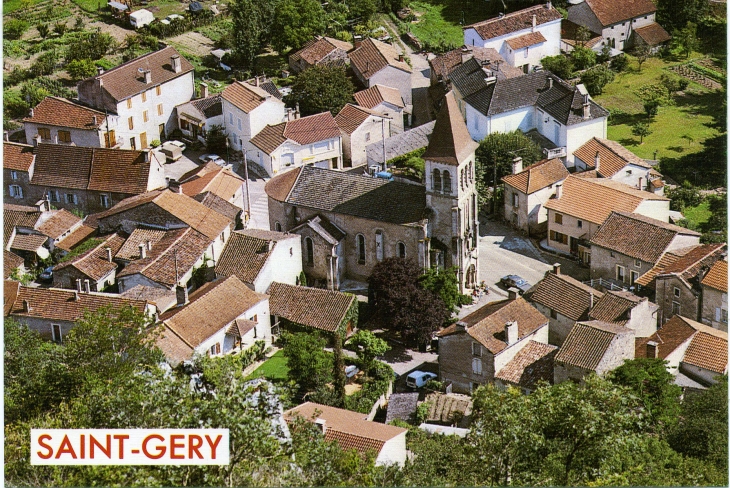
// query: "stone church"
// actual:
[[350, 222]]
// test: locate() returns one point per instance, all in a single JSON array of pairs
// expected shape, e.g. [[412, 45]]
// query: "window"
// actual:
[[129, 103], [580, 224], [476, 366], [723, 317], [158, 90], [56, 333], [13, 175], [15, 191], [620, 273], [633, 276], [145, 116], [436, 180], [553, 314], [144, 96], [637, 263], [71, 198], [53, 196], [230, 117], [558, 237], [104, 200], [360, 249], [277, 226], [143, 140], [239, 124], [611, 254], [160, 111], [64, 136], [215, 349], [558, 218], [515, 199], [44, 132], [132, 142], [676, 292], [675, 308], [379, 245], [476, 349], [367, 136], [447, 182], [309, 248], [255, 318], [400, 250], [130, 122], [110, 138]]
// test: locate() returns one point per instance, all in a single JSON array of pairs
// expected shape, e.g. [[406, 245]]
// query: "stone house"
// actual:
[[60, 121], [621, 23], [629, 310], [628, 245], [248, 109], [522, 38], [385, 101], [531, 366], [18, 166], [564, 114], [581, 206], [527, 190], [352, 430], [95, 268], [53, 312], [260, 257], [443, 64], [563, 300], [436, 223], [35, 231], [143, 94], [714, 296], [211, 178], [593, 347], [195, 117], [359, 127], [320, 50], [313, 140], [93, 179], [377, 63], [475, 349]]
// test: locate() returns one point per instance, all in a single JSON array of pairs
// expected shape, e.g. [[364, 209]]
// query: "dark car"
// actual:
[[515, 281], [47, 275]]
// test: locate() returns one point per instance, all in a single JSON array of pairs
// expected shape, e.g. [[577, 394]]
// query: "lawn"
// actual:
[[10, 6], [275, 368], [699, 214]]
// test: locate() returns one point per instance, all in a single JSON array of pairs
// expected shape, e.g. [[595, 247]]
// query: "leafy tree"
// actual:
[[45, 64], [596, 78], [14, 29], [651, 108], [215, 139], [43, 30], [654, 92], [362, 10], [675, 14], [445, 283], [250, 30], [649, 379], [582, 35], [562, 66], [368, 347], [296, 22], [33, 94], [641, 130], [642, 53], [302, 279], [91, 45], [309, 364], [441, 460], [715, 229], [583, 57], [685, 40], [684, 196], [620, 63], [320, 89], [80, 69], [673, 83]]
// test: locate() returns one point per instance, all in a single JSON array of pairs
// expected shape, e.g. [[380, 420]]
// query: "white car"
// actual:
[[179, 144], [167, 20], [206, 158]]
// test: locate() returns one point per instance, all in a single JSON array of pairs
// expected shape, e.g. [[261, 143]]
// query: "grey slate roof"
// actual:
[[359, 196], [400, 144]]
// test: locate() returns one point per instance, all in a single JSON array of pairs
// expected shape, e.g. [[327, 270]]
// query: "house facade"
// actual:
[[142, 94], [247, 109], [377, 63], [60, 121], [359, 127], [714, 296], [385, 101], [196, 117], [18, 166], [320, 50]]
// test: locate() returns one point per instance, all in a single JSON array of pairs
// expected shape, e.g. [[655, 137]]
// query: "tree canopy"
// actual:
[[321, 88], [296, 22]]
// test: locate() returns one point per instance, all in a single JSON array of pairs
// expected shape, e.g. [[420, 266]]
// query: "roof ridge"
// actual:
[[177, 334], [301, 170], [138, 58]]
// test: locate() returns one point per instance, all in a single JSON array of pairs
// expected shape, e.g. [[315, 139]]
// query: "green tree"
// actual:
[[642, 52], [91, 45], [675, 14], [43, 30], [320, 89], [250, 29], [620, 63], [582, 35], [445, 283], [296, 22], [583, 57], [309, 364], [684, 40], [442, 460], [368, 347], [684, 196], [641, 130], [80, 69], [215, 139], [673, 83], [14, 28], [562, 66], [649, 380], [45, 64], [362, 10], [651, 108], [596, 78]]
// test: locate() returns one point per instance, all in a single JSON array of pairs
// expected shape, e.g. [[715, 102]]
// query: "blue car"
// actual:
[[515, 281], [47, 275]]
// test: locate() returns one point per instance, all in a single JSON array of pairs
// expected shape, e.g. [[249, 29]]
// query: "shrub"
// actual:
[[583, 57], [60, 28], [562, 66], [14, 29], [654, 92], [155, 143], [45, 64], [43, 30], [17, 75], [80, 69], [651, 108], [596, 78], [619, 63]]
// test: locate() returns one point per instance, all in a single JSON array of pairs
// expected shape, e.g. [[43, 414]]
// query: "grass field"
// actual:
[[10, 6], [273, 369], [699, 214]]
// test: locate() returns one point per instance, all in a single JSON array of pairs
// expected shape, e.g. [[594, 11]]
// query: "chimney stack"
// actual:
[[516, 165], [510, 332], [87, 286], [94, 120], [550, 82], [146, 153], [556, 269], [461, 326], [37, 140], [641, 181], [99, 71], [586, 110], [549, 5], [149, 245], [590, 304], [78, 285], [142, 251], [6, 135], [76, 296], [147, 76], [558, 191], [401, 58], [358, 41], [322, 425], [512, 293], [534, 22], [175, 63], [597, 161], [652, 350], [31, 113], [26, 306], [203, 90], [181, 292], [174, 186], [108, 254], [296, 112]]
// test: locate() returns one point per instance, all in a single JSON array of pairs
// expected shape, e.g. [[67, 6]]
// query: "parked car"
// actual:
[[179, 144], [170, 18], [419, 378], [515, 281], [47, 275], [206, 158]]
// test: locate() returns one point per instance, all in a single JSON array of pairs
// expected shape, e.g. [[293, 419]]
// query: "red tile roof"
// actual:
[[76, 237], [708, 349], [588, 342], [311, 129], [58, 223], [280, 186], [378, 94], [675, 332], [10, 262], [244, 256], [717, 276], [65, 113], [565, 295], [569, 35], [515, 21], [611, 12], [351, 117], [652, 34], [18, 157], [95, 263], [538, 176], [245, 96], [613, 156], [444, 64], [221, 182], [526, 40], [615, 307], [373, 55], [317, 49], [311, 307], [450, 141], [691, 264], [28, 242], [270, 138], [532, 364]]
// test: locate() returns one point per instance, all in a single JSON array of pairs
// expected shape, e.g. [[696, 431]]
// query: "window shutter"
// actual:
[[718, 314], [11, 190]]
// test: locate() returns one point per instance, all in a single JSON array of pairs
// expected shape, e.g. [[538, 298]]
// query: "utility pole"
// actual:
[[382, 134], [248, 192]]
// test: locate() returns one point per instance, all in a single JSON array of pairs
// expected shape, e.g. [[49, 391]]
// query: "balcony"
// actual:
[[557, 152]]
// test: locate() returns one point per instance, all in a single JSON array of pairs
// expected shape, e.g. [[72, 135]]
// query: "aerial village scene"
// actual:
[[381, 242]]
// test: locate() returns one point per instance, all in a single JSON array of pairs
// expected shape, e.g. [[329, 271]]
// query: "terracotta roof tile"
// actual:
[[76, 237], [717, 276], [613, 11], [216, 203], [317, 49], [211, 106], [17, 157], [378, 94], [65, 113], [94, 263], [615, 307], [443, 65], [526, 40], [533, 363], [514, 22], [613, 156], [450, 141], [129, 250], [245, 96], [222, 182], [312, 307], [637, 236], [175, 349], [67, 305], [243, 256], [28, 242], [18, 216], [126, 80], [373, 55], [351, 117], [10, 262], [311, 129], [652, 34], [270, 138], [565, 295], [587, 343], [675, 332], [58, 223], [538, 176], [594, 199], [690, 265], [708, 350], [280, 186], [10, 294]]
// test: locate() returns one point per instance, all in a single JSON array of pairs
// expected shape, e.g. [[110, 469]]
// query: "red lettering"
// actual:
[[49, 453], [160, 448], [83, 445], [66, 448], [94, 443], [195, 442], [213, 446], [174, 446], [121, 438]]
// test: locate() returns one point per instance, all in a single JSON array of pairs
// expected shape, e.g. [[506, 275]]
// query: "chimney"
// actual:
[[36, 140], [203, 90], [641, 181], [55, 139], [586, 110], [652, 350], [76, 296], [590, 304], [597, 161], [26, 306], [461, 326], [271, 245], [147, 76], [175, 63], [31, 113], [358, 41], [108, 254], [549, 5], [78, 285], [99, 71], [516, 165], [401, 58], [556, 269], [174, 186], [512, 293], [181, 292], [6, 135], [146, 153], [142, 251], [149, 245], [510, 332], [322, 425], [87, 286], [43, 205], [289, 114], [558, 191], [296, 112], [550, 82], [534, 22]]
